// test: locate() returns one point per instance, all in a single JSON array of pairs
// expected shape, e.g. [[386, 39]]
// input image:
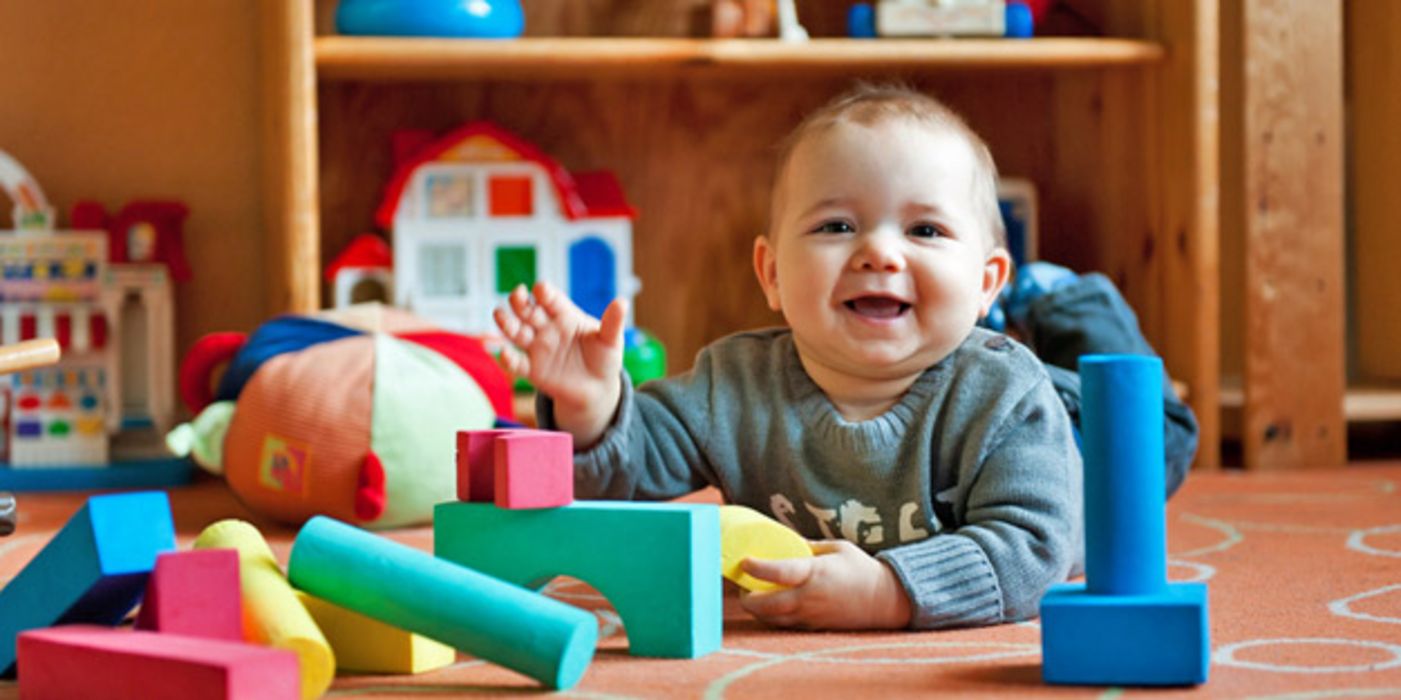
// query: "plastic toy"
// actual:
[[524, 631], [363, 272], [480, 211], [744, 533], [194, 593], [82, 661], [516, 468], [272, 614], [664, 580], [366, 645], [61, 423], [478, 19], [94, 570], [756, 18], [1126, 625], [349, 413], [907, 18]]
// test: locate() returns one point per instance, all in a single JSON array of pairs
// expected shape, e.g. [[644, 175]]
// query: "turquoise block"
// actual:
[[657, 563], [402, 586], [1155, 639], [94, 570]]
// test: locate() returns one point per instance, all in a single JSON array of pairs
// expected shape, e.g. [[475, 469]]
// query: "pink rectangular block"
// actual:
[[196, 593], [81, 661], [476, 460], [534, 469]]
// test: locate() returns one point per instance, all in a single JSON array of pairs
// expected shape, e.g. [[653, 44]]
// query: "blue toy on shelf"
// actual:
[[1126, 625], [478, 19]]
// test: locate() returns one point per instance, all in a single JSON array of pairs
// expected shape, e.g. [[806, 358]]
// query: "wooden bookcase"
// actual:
[[1119, 134]]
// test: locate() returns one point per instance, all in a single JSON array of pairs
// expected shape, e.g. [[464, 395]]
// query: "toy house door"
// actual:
[[593, 275]]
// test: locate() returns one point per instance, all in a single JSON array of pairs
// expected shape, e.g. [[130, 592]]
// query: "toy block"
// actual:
[[194, 593], [476, 464], [81, 661], [515, 468], [534, 469], [94, 570], [744, 533], [657, 563], [366, 645], [402, 586], [272, 615], [1126, 625]]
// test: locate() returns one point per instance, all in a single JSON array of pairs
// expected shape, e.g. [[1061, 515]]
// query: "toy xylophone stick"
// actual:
[[28, 354]]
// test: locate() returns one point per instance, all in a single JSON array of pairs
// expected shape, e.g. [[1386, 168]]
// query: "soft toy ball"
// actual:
[[351, 415]]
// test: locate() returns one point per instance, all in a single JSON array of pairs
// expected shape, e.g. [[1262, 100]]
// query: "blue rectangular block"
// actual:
[[94, 570], [1159, 639]]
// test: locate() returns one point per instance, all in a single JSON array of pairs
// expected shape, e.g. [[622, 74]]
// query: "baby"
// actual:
[[931, 460]]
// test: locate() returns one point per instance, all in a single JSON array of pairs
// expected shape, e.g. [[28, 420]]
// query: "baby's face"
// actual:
[[879, 259]]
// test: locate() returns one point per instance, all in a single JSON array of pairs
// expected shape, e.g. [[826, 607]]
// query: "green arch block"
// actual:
[[657, 563]]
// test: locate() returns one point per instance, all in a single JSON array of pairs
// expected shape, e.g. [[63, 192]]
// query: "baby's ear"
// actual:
[[766, 269], [996, 270]]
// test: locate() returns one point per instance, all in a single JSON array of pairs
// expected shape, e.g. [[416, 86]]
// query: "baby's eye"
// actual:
[[834, 227], [926, 231]]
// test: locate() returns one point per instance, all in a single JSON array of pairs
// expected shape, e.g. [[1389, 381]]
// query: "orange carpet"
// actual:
[[1304, 571]]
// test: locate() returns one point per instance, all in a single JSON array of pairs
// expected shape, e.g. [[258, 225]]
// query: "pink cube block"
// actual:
[[195, 593], [81, 661], [476, 464], [534, 469]]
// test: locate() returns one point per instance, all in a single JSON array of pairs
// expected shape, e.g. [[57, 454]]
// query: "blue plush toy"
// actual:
[[468, 19]]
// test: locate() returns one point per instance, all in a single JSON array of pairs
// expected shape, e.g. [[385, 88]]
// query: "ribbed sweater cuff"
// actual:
[[950, 582]]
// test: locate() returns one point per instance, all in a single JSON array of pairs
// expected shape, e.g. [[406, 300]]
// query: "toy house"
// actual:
[[479, 211], [112, 320], [363, 272]]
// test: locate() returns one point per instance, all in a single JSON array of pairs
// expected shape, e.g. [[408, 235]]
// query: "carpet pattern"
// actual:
[[1304, 571]]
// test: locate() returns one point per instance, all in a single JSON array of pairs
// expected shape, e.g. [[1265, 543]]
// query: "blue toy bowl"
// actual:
[[468, 19]]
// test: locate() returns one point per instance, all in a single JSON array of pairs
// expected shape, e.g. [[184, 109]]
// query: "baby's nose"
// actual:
[[879, 253]]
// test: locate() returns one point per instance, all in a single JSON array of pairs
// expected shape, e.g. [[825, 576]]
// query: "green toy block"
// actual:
[[657, 563]]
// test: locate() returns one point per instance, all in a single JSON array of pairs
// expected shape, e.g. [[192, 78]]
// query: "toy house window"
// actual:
[[515, 265], [511, 195], [442, 270], [449, 195]]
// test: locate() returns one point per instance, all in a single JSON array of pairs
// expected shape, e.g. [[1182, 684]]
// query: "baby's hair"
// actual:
[[868, 103]]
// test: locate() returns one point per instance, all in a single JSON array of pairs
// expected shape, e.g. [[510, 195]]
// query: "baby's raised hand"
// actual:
[[567, 355], [840, 587]]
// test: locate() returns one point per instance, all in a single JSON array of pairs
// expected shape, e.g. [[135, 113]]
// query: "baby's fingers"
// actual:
[[777, 608], [515, 362], [513, 329], [789, 573]]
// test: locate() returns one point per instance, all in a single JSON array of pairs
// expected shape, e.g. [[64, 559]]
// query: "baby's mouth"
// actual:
[[877, 307]]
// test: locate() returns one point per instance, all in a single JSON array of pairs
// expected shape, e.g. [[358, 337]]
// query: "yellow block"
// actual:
[[272, 615], [367, 645], [744, 533]]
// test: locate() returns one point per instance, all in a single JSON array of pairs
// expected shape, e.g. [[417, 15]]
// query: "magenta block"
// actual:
[[534, 469], [195, 593], [476, 464]]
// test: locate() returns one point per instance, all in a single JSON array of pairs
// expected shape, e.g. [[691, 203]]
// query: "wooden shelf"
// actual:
[[1361, 403], [396, 59]]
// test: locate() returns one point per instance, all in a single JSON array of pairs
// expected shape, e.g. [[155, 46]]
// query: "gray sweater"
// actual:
[[969, 487]]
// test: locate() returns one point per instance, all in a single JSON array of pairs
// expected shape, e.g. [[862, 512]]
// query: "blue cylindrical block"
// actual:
[[497, 621], [1121, 421]]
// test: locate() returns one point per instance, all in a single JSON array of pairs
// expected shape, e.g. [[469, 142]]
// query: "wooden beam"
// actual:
[[1374, 110], [291, 209], [1292, 144]]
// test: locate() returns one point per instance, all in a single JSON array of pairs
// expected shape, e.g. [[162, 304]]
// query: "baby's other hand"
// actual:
[[566, 354], [840, 587]]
